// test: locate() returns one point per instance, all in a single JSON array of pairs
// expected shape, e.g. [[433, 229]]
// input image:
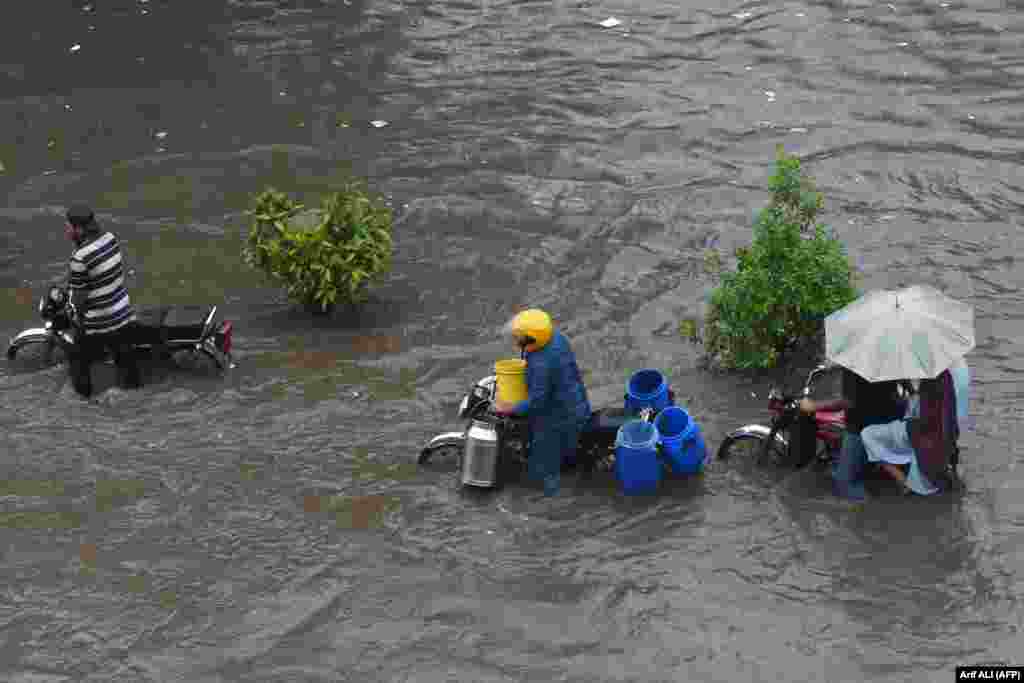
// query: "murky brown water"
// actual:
[[269, 527]]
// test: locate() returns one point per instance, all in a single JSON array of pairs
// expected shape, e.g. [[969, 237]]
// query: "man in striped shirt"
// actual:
[[106, 319]]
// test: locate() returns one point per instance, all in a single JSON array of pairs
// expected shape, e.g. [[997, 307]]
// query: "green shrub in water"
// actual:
[[322, 257], [786, 282]]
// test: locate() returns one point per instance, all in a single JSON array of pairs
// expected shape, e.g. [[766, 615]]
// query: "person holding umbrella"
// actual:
[[915, 333], [931, 432]]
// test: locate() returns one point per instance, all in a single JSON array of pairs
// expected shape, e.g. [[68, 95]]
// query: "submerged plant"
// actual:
[[325, 256], [786, 282]]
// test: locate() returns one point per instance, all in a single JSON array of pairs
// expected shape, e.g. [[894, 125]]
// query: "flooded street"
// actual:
[[272, 526]]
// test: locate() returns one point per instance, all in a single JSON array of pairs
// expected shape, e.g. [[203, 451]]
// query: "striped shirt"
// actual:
[[96, 268]]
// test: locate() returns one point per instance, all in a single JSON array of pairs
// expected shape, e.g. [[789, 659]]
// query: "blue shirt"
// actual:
[[554, 387]]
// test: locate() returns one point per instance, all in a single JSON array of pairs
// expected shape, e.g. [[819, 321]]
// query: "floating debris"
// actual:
[[797, 130], [903, 44], [378, 123], [801, 14], [610, 22], [76, 47], [743, 15], [67, 107], [770, 94]]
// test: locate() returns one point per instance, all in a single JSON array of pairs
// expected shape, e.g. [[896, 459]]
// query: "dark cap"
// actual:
[[81, 215]]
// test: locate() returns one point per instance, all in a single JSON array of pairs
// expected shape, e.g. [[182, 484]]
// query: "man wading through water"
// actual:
[[105, 317], [557, 407]]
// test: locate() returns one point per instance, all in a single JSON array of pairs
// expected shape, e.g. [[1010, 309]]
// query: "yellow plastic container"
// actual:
[[511, 380]]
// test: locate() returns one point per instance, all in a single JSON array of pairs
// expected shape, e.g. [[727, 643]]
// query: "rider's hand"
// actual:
[[503, 407], [807, 405]]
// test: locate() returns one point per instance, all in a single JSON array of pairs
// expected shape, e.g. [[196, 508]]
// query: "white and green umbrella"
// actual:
[[912, 333]]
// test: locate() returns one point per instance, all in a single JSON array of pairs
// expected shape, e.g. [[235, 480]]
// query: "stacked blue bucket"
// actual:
[[637, 462], [682, 443], [646, 389], [637, 466]]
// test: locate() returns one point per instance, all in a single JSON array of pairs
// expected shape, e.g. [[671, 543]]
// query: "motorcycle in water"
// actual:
[[794, 440], [493, 446], [162, 330], [786, 441]]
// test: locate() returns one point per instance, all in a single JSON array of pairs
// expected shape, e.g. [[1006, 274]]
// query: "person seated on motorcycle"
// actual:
[[557, 407], [105, 317], [866, 403], [931, 433]]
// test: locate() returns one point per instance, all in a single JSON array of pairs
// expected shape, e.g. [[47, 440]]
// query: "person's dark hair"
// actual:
[[82, 217]]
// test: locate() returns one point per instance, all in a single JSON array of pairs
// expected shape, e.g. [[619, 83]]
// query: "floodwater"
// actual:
[[271, 525]]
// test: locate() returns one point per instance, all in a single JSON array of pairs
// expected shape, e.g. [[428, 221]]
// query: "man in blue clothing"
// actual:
[[557, 407]]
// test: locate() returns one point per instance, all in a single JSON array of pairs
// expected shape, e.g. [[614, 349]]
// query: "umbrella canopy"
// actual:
[[912, 333]]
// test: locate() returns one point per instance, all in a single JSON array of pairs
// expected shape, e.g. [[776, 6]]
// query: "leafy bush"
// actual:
[[786, 282], [325, 256]]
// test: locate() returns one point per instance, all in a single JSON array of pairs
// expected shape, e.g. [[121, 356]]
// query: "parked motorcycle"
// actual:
[[493, 446], [163, 330], [778, 443]]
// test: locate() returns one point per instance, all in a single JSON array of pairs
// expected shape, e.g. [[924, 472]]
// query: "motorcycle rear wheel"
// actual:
[[202, 359]]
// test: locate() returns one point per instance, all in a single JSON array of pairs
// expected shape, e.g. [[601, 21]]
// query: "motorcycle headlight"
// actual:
[[57, 296]]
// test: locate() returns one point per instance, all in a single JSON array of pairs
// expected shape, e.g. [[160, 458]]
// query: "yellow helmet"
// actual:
[[535, 326]]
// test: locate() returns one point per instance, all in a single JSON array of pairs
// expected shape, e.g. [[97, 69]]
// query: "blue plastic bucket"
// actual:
[[636, 457], [681, 441], [646, 389]]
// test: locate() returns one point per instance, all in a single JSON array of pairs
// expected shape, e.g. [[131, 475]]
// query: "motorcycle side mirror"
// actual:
[[823, 367]]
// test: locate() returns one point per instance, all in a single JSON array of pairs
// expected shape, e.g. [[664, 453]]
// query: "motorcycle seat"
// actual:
[[165, 324], [607, 421]]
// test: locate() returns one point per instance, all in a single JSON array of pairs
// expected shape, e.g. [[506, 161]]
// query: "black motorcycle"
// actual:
[[161, 331], [595, 452]]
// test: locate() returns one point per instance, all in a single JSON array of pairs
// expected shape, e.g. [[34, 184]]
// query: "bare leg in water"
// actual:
[[897, 473]]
